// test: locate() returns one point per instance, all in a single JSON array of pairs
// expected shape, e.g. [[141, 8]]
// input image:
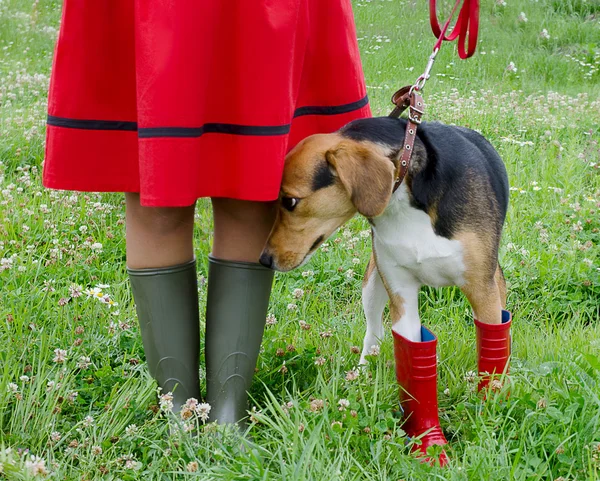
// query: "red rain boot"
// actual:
[[493, 349], [416, 373]]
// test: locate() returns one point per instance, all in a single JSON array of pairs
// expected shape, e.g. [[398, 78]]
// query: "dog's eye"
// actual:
[[289, 203]]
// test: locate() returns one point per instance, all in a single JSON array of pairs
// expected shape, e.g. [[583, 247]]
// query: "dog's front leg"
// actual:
[[403, 292], [374, 298]]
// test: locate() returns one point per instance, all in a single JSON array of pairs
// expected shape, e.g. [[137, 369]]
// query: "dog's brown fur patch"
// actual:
[[356, 161], [396, 307], [480, 286], [371, 266]]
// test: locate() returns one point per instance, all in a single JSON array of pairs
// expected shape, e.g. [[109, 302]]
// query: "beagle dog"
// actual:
[[441, 227]]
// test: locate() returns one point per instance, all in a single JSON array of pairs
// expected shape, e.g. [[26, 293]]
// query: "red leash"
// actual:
[[467, 24], [410, 96]]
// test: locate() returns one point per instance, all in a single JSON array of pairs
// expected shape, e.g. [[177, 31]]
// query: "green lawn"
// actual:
[[88, 411]]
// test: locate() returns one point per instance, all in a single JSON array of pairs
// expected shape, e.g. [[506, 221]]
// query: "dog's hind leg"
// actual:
[[374, 299], [486, 301], [488, 298], [484, 283]]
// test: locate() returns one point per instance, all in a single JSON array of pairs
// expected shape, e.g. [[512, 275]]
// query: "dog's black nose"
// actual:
[[266, 260]]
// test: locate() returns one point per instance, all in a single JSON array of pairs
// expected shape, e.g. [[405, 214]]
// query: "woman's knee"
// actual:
[[158, 221], [243, 211]]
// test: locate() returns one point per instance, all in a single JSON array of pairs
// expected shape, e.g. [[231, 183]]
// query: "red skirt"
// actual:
[[196, 98]]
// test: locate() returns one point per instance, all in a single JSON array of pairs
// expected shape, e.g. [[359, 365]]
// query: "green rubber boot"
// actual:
[[166, 301], [236, 311]]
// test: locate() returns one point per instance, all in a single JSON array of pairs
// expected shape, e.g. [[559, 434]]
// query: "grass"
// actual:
[[88, 412]]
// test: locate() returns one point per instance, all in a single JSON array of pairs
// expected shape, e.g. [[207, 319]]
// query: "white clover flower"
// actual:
[[6, 263], [83, 363], [191, 403], [316, 405], [495, 385], [131, 430], [319, 361], [75, 291], [202, 410], [344, 404], [166, 402], [60, 356], [131, 463], [36, 465]]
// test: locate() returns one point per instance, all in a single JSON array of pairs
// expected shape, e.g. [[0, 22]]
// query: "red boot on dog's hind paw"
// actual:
[[493, 351], [416, 373]]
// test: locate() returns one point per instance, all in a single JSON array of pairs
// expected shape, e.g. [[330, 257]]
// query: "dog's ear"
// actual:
[[367, 175]]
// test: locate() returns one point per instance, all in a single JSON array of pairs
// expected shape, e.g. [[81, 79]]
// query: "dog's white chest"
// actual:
[[404, 239]]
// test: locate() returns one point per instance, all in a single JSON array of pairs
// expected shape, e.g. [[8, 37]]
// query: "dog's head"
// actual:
[[327, 179]]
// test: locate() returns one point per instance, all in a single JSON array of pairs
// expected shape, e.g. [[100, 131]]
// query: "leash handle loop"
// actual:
[[466, 24]]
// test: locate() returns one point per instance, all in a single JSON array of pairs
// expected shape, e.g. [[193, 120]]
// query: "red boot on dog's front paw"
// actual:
[[493, 351], [434, 436], [416, 373]]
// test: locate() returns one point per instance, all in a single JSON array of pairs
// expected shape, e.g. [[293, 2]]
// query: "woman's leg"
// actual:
[[162, 271], [241, 228], [157, 236], [238, 299]]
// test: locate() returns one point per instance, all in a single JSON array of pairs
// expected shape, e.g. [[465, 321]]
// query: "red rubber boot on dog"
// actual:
[[493, 350], [416, 373]]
